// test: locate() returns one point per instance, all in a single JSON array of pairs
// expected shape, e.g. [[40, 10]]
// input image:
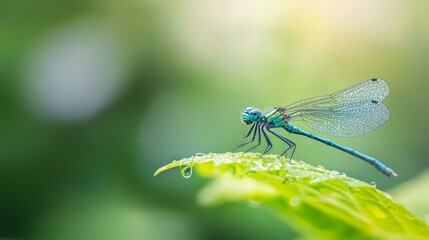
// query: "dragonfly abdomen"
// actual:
[[373, 161]]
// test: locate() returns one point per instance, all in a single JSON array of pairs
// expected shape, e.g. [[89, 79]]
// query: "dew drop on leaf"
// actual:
[[388, 196], [294, 202], [373, 184], [186, 171]]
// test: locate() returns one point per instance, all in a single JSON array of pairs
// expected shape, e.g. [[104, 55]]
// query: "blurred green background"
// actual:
[[96, 95]]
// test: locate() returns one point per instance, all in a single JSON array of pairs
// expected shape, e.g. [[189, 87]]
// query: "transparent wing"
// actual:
[[372, 89], [351, 112]]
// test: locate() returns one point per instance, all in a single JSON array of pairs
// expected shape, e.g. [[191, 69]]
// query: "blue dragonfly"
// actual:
[[350, 112]]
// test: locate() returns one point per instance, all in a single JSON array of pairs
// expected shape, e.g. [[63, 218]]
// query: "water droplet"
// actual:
[[373, 184], [294, 202], [174, 161], [186, 171], [343, 174], [199, 154], [217, 161], [276, 165], [301, 162], [320, 167], [388, 196]]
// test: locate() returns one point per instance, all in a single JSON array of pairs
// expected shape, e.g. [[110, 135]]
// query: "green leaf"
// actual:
[[318, 203]]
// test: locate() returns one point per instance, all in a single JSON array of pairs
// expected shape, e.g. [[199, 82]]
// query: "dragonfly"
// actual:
[[351, 112]]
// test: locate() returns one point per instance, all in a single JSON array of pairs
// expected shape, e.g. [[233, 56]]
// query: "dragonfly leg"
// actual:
[[253, 137], [269, 144], [259, 138], [291, 145], [249, 132]]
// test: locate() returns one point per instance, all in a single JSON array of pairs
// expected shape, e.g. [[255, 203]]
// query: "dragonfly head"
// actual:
[[251, 115]]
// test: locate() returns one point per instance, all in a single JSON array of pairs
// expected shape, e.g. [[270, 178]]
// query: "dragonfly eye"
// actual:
[[255, 115]]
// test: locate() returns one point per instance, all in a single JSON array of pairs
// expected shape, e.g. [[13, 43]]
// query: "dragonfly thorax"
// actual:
[[251, 115]]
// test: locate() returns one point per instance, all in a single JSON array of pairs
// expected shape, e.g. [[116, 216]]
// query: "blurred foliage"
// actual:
[[414, 194], [96, 94], [298, 192]]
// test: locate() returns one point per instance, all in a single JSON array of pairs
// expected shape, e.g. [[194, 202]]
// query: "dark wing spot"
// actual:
[[374, 101], [374, 79]]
